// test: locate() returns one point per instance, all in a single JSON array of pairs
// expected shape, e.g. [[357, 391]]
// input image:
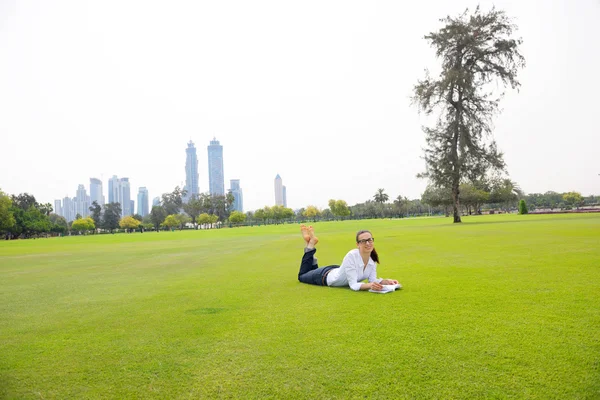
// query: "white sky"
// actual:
[[317, 91]]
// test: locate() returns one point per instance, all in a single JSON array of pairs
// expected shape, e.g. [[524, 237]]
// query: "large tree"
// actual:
[[96, 211], [476, 50], [193, 208], [7, 219], [111, 216], [173, 202], [157, 216]]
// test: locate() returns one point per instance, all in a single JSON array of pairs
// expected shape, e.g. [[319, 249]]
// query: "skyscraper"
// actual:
[[278, 191], [114, 190], [191, 173], [125, 197], [142, 200], [82, 202], [68, 211], [236, 191], [155, 202], [96, 191], [58, 208], [216, 179], [284, 196]]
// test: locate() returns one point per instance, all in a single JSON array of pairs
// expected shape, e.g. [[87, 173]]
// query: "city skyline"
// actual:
[[338, 95]]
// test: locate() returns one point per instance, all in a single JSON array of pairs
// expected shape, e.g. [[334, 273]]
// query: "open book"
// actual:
[[387, 288]]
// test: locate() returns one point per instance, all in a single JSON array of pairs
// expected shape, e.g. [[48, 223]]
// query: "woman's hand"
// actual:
[[376, 286], [389, 282]]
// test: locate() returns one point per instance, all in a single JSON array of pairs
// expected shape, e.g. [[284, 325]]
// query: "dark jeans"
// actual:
[[310, 271]]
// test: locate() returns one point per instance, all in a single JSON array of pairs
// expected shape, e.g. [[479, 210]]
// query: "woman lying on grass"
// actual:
[[358, 265]]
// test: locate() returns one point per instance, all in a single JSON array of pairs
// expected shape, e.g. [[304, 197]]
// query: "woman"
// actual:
[[358, 265]]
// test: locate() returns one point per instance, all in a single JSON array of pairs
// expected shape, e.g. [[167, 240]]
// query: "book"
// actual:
[[387, 288]]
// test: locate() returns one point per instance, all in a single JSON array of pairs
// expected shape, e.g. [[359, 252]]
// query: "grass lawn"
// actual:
[[501, 306]]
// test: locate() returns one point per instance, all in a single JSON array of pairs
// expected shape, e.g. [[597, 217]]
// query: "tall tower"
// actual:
[[236, 191], [142, 200], [58, 208], [216, 179], [96, 191], [191, 173], [68, 209], [278, 191], [114, 191], [284, 196], [82, 202], [125, 197]]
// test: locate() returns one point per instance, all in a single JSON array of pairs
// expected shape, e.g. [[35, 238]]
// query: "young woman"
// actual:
[[358, 265]]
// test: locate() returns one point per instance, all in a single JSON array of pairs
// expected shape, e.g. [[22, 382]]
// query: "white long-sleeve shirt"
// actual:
[[353, 271]]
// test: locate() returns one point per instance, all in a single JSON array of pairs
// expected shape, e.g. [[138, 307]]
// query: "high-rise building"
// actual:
[[278, 191], [284, 196], [191, 173], [155, 202], [82, 202], [236, 191], [216, 179], [114, 190], [58, 208], [125, 197], [132, 207], [96, 191], [142, 201], [68, 209]]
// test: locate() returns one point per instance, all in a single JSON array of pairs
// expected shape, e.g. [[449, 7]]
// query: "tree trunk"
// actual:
[[455, 205]]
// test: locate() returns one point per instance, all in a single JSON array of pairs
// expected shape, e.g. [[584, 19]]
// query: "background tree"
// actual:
[[213, 219], [264, 214], [574, 199], [96, 213], [339, 208], [129, 223], [437, 197], [523, 207], [138, 217], [46, 209], [83, 225], [59, 223], [505, 193], [111, 216], [401, 205], [157, 216], [381, 198], [204, 219], [7, 219], [170, 221], [193, 208], [281, 213], [312, 212], [24, 201], [237, 217], [182, 219], [173, 202], [475, 50]]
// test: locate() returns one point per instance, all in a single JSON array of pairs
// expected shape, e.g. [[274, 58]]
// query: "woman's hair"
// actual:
[[374, 255]]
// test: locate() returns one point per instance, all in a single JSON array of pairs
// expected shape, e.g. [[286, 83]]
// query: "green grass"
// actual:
[[498, 307]]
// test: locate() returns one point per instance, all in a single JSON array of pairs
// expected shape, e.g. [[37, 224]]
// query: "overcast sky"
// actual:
[[316, 91]]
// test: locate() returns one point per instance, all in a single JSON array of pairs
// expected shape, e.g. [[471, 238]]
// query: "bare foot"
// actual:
[[313, 239], [305, 233]]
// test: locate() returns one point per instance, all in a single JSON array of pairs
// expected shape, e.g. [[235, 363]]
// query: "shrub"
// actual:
[[522, 207]]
